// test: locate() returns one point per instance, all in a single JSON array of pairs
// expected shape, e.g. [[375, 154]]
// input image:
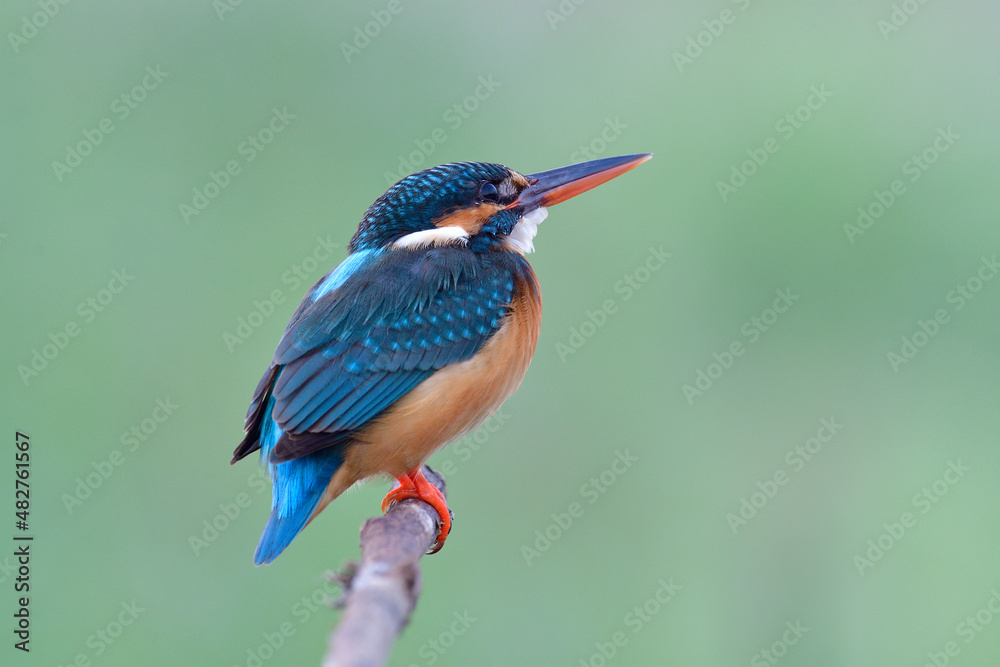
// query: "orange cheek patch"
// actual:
[[470, 219]]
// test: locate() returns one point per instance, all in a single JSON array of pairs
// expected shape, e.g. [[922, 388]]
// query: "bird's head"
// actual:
[[478, 204]]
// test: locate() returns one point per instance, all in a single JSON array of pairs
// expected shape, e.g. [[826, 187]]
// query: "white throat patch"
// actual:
[[520, 238], [432, 237]]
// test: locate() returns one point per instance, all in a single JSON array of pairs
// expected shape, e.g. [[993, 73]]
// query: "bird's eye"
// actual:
[[489, 192]]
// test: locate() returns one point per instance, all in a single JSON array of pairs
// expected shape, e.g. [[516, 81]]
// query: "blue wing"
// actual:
[[366, 336]]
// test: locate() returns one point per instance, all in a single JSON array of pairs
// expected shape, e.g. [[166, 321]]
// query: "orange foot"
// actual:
[[414, 485]]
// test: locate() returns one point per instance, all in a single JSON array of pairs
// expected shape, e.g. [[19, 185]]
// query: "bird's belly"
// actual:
[[453, 401]]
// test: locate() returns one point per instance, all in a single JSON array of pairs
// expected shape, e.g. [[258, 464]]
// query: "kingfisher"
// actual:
[[412, 342]]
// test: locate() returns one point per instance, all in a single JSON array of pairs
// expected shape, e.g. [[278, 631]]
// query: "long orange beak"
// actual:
[[548, 188]]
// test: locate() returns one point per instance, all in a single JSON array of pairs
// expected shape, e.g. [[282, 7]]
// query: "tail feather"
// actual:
[[298, 488], [299, 484]]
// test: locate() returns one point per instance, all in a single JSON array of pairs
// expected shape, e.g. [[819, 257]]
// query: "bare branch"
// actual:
[[383, 591]]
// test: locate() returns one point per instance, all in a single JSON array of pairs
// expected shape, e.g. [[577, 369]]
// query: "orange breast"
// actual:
[[450, 403]]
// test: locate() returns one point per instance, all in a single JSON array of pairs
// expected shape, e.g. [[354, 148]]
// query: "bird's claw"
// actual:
[[416, 486]]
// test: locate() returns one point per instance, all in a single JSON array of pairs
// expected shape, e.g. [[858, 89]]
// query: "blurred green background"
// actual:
[[803, 111]]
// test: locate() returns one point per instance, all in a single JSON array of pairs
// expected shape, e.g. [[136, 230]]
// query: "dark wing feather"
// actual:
[[360, 347], [256, 415]]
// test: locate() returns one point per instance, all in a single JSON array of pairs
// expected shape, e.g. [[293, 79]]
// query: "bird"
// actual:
[[413, 341]]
